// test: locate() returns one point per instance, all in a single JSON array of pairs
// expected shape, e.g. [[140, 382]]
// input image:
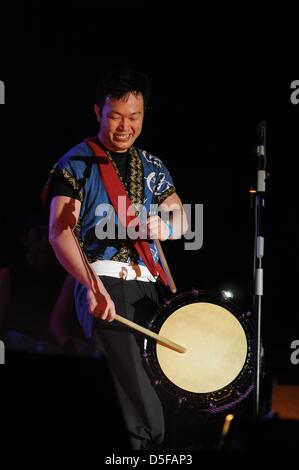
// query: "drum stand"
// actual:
[[259, 197]]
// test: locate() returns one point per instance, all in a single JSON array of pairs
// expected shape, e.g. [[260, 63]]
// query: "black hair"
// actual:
[[118, 83]]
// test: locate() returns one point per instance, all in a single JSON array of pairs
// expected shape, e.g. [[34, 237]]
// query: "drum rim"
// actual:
[[244, 380]]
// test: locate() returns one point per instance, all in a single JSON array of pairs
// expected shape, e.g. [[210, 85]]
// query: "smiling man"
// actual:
[[114, 275], [121, 121]]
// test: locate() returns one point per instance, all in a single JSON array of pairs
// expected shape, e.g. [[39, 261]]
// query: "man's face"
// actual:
[[121, 122]]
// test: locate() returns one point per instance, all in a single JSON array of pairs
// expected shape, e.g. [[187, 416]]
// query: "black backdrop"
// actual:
[[214, 79]]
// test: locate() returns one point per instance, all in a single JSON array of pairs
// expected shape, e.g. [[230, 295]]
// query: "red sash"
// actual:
[[114, 188]]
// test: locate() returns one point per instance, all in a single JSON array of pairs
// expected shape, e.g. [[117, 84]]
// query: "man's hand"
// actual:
[[156, 228], [100, 303]]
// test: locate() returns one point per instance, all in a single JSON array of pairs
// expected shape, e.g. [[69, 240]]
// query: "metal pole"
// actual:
[[258, 262]]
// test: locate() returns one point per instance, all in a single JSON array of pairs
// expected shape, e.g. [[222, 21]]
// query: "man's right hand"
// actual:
[[100, 303]]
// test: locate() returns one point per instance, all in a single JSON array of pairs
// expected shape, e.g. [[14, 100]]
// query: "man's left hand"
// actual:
[[157, 229]]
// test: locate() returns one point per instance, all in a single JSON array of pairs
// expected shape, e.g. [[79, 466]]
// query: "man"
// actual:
[[123, 283]]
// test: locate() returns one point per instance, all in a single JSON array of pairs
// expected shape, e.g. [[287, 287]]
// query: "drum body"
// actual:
[[216, 371]]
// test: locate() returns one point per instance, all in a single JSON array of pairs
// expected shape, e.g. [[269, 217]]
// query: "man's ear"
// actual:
[[97, 112]]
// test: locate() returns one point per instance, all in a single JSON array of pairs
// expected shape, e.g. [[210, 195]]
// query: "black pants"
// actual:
[[122, 347]]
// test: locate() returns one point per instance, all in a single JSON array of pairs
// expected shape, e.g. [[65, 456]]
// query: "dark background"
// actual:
[[215, 75]]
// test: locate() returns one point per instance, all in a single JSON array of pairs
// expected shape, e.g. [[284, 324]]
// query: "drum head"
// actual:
[[216, 347], [216, 371]]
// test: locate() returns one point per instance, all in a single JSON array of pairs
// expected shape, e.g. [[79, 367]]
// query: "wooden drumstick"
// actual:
[[161, 340], [164, 341], [164, 263]]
